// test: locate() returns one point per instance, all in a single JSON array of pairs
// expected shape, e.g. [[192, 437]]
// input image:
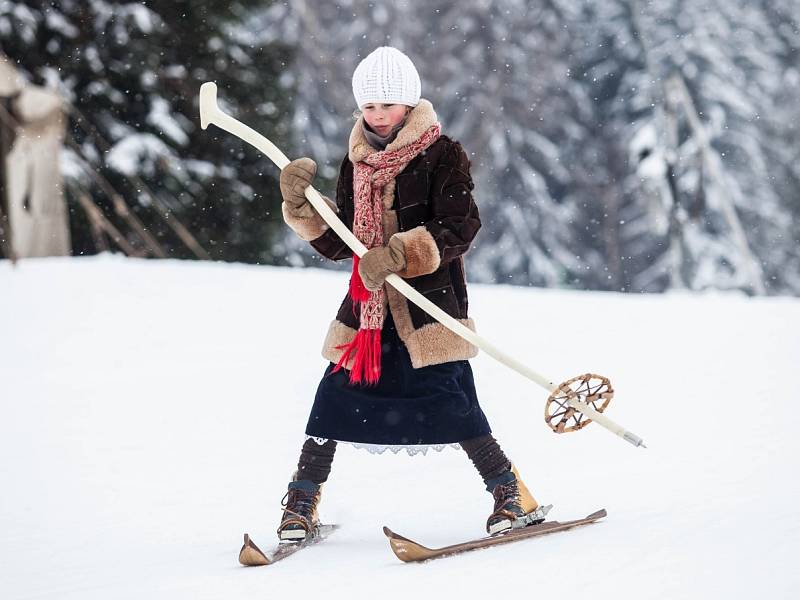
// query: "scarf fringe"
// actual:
[[358, 292], [366, 347]]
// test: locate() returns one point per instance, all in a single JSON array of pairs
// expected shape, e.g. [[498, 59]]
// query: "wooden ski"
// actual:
[[410, 551], [252, 556]]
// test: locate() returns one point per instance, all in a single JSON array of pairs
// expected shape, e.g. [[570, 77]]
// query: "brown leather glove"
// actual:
[[295, 178], [377, 263]]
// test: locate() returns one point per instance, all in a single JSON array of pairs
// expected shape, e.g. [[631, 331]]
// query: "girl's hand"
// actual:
[[377, 263], [295, 178]]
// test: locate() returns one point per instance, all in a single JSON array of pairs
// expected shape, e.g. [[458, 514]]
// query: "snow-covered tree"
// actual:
[[698, 206], [131, 72]]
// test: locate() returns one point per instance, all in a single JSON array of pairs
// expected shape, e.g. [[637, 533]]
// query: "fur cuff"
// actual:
[[305, 221], [422, 253], [434, 343], [338, 334]]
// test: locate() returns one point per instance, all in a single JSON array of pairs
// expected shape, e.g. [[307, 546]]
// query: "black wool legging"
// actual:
[[484, 452]]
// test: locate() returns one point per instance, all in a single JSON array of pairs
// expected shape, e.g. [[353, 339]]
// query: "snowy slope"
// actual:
[[152, 411]]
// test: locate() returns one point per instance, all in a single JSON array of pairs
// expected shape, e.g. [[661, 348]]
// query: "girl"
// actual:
[[397, 378]]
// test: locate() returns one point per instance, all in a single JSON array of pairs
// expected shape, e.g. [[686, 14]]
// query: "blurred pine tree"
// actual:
[[131, 72]]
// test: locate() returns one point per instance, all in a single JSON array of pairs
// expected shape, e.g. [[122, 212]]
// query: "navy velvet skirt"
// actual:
[[436, 404]]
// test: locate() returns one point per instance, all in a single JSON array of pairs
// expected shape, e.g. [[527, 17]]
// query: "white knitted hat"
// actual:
[[387, 76]]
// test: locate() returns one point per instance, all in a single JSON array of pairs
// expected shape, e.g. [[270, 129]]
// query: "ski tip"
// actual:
[[251, 555], [598, 514], [406, 549], [396, 538]]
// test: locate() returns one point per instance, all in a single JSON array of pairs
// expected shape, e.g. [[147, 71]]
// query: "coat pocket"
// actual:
[[445, 298]]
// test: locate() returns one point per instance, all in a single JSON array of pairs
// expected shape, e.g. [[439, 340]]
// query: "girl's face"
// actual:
[[382, 117]]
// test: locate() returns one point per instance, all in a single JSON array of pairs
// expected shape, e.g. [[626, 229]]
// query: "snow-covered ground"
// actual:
[[153, 411]]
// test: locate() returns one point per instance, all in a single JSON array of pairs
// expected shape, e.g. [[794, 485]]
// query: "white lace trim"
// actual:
[[380, 449]]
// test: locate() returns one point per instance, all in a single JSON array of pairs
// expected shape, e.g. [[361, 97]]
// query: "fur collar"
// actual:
[[421, 117]]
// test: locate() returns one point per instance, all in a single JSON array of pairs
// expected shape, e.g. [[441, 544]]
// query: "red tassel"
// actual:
[[366, 347], [358, 292]]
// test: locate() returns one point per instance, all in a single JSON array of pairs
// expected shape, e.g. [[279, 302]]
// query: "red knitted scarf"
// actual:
[[369, 178]]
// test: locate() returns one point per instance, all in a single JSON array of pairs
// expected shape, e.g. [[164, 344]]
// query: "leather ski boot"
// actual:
[[300, 516], [514, 506]]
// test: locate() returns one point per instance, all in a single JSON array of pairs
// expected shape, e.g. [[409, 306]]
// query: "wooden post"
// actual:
[[166, 215], [121, 208], [7, 125], [99, 221]]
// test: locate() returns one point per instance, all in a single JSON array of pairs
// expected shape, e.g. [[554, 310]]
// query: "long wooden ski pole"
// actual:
[[210, 113]]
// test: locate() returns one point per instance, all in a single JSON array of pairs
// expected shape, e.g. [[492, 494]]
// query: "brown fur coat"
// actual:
[[429, 206]]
